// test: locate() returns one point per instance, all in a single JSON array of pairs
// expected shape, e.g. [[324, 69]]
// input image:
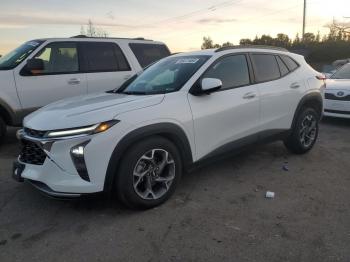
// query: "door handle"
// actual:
[[249, 95], [74, 81], [294, 85]]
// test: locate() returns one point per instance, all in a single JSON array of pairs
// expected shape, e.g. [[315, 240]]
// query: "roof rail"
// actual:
[[251, 46], [98, 37]]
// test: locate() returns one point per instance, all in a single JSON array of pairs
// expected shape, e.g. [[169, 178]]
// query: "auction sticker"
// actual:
[[187, 61]]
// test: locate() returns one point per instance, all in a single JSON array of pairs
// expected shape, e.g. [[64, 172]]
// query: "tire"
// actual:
[[304, 133], [154, 163], [2, 130]]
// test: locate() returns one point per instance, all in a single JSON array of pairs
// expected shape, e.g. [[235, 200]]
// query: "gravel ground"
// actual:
[[218, 213]]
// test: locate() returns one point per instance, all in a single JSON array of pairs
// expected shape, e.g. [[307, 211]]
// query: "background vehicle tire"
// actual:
[[304, 133], [2, 130], [149, 173]]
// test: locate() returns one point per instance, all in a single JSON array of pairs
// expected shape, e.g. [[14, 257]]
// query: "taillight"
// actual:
[[321, 77]]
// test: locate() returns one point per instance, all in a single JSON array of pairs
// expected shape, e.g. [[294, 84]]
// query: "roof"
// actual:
[[247, 48], [82, 38]]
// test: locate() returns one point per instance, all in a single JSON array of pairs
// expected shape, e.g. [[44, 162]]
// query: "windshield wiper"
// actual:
[[133, 92]]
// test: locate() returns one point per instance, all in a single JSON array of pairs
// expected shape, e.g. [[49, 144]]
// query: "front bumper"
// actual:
[[335, 108], [49, 192], [57, 174]]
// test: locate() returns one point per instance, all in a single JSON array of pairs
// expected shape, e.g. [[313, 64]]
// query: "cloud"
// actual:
[[24, 20], [216, 20]]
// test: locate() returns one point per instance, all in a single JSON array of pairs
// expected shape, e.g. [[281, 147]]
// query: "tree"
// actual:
[[227, 44], [296, 40], [92, 31], [338, 31], [207, 43], [245, 41], [282, 40], [309, 38]]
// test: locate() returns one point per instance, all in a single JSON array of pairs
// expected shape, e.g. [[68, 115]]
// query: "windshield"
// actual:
[[167, 75], [15, 57], [342, 73]]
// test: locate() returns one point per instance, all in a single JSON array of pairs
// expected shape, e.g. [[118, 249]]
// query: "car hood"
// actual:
[[338, 84], [87, 110]]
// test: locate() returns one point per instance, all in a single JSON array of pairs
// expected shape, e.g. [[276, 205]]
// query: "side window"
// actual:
[[104, 57], [59, 58], [147, 54], [283, 68], [265, 67], [232, 71], [291, 64]]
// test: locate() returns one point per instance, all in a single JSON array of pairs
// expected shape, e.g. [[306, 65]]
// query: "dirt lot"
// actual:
[[218, 213]]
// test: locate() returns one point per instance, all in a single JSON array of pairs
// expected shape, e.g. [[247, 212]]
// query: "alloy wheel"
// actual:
[[153, 174], [308, 130]]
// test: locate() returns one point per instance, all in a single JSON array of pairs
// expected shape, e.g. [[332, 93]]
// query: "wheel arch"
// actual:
[[170, 131], [5, 114], [313, 100]]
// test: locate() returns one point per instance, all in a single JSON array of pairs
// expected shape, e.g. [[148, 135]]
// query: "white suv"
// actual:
[[181, 111], [42, 71]]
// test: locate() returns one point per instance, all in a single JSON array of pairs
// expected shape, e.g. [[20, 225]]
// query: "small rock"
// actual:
[[285, 168], [141, 229]]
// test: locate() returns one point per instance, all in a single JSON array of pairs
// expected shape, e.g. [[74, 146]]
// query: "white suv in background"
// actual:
[[42, 71], [337, 93], [181, 111]]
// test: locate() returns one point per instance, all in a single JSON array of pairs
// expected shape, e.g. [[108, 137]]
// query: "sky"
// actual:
[[181, 24]]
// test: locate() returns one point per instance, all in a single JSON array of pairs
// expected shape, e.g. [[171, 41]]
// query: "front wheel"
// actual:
[[149, 173], [304, 133]]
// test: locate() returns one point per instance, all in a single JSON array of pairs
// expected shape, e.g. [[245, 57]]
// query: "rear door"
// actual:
[[147, 54], [280, 89], [61, 77], [229, 117], [105, 65]]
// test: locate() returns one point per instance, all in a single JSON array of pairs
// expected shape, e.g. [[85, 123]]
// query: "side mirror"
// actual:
[[210, 84], [35, 64]]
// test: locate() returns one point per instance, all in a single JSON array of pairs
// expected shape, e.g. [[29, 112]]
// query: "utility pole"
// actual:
[[304, 20]]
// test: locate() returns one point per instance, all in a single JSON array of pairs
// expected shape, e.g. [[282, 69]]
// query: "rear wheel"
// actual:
[[304, 133], [149, 173], [2, 130]]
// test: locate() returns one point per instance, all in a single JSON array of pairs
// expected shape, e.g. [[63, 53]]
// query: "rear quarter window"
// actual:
[[265, 67], [147, 54], [290, 63]]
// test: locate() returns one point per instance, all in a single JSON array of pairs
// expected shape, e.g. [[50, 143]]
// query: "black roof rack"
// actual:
[[251, 46], [97, 37]]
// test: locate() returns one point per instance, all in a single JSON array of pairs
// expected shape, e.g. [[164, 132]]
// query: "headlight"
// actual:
[[86, 130]]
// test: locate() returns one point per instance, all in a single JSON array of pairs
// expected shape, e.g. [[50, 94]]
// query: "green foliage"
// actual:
[[315, 48]]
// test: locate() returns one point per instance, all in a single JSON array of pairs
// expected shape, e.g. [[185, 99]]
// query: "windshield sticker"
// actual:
[[187, 61], [32, 43]]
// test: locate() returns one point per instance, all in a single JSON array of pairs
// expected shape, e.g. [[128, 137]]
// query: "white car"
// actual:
[[178, 113], [43, 71], [337, 94]]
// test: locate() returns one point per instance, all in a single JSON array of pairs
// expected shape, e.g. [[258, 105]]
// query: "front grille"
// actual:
[[31, 153], [334, 97], [34, 133]]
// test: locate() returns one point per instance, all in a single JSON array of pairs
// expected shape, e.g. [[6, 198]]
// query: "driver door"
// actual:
[[229, 117], [60, 78]]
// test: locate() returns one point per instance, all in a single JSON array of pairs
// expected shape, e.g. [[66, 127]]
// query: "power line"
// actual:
[[211, 8]]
